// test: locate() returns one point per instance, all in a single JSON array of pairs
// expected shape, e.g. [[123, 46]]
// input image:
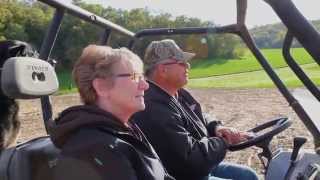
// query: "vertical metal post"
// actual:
[[45, 52], [131, 43], [241, 11], [104, 39]]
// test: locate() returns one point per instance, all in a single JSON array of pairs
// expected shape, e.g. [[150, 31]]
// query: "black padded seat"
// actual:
[[28, 78], [32, 160]]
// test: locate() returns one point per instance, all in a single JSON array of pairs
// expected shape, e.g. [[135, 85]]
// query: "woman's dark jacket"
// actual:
[[182, 138], [96, 146]]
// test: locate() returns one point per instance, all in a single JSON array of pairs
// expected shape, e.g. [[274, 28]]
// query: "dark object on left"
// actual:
[[9, 122]]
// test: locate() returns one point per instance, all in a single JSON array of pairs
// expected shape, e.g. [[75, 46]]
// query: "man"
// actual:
[[188, 145]]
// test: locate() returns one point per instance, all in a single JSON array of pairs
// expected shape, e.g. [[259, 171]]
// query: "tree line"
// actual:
[[28, 20], [272, 35]]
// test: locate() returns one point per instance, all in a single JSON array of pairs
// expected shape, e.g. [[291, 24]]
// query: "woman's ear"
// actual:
[[101, 87]]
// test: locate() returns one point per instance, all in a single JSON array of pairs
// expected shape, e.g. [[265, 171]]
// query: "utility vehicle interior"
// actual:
[[34, 159]]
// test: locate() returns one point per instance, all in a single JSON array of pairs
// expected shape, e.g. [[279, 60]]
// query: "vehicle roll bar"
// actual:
[[87, 16]]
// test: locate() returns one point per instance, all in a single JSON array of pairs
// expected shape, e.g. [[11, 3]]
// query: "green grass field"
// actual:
[[256, 79], [217, 67], [235, 73], [66, 84]]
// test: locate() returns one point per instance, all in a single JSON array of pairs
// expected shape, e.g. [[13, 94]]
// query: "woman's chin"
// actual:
[[140, 107]]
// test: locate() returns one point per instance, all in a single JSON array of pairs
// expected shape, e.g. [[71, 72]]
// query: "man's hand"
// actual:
[[232, 135]]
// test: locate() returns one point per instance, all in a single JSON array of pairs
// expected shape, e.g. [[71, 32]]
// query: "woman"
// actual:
[[97, 139]]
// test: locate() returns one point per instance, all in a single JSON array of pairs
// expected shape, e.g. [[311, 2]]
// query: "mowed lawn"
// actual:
[[247, 72], [256, 79], [216, 67], [235, 73]]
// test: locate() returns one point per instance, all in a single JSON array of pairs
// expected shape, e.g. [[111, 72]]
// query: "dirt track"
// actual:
[[242, 109]]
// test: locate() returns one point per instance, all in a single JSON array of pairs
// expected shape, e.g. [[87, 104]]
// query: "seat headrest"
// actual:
[[27, 77]]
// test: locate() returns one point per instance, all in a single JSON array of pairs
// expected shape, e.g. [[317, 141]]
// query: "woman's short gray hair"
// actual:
[[97, 62]]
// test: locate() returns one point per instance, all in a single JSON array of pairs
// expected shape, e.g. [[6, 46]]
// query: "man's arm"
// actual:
[[176, 146], [188, 101], [196, 152], [213, 126]]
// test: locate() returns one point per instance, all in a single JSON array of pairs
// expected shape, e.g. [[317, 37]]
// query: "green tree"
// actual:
[[28, 20]]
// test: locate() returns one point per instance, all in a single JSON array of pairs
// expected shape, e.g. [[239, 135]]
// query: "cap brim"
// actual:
[[188, 56]]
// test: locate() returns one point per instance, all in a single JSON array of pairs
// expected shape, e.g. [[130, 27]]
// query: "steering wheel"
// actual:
[[276, 125]]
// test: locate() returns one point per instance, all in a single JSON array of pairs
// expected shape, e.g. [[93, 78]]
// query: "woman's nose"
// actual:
[[143, 84]]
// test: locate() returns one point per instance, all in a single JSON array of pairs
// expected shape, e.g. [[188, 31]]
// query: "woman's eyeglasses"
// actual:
[[137, 77]]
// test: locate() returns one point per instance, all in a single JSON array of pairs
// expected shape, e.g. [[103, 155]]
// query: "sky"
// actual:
[[221, 12]]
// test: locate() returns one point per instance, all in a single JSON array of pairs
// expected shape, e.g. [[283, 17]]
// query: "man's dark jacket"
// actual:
[[180, 135], [96, 146]]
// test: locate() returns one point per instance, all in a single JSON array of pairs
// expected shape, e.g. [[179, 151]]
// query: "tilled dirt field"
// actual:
[[242, 109]]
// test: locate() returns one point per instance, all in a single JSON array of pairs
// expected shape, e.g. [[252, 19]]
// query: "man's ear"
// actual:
[[100, 86], [162, 70]]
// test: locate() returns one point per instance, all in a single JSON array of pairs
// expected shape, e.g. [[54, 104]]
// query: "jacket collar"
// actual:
[[84, 116], [155, 92]]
